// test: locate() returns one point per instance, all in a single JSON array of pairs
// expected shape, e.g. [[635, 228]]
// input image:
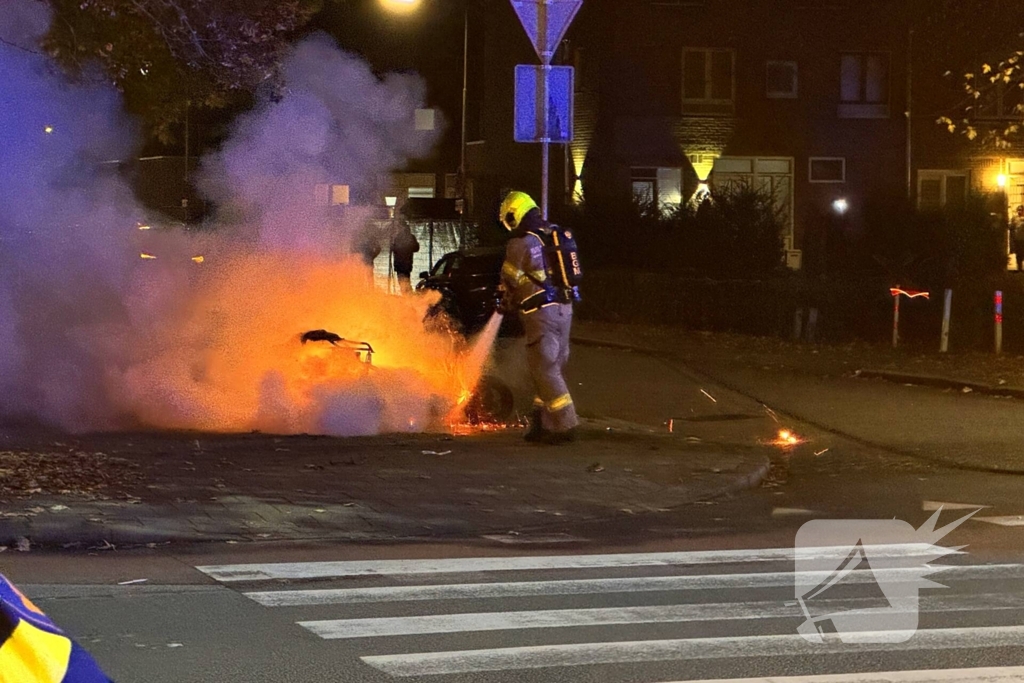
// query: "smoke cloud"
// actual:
[[94, 337]]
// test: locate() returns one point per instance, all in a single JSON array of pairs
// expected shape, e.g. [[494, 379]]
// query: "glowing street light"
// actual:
[[1001, 180], [840, 206], [401, 6]]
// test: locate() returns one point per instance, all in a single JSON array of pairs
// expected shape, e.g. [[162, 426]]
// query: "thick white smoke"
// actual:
[[93, 337]]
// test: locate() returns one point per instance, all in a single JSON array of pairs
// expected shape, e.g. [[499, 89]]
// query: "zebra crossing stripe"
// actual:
[[632, 652], [516, 589], [334, 629], [1007, 674], [323, 570]]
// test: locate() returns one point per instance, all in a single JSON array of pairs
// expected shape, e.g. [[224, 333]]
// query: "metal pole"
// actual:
[[465, 87], [999, 322], [430, 248], [462, 158], [910, 106], [947, 308], [896, 321], [545, 144]]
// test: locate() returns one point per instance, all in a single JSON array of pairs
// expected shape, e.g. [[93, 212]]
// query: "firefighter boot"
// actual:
[[536, 432]]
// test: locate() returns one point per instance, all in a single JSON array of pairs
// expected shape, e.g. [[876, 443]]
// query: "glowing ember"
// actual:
[[786, 437], [198, 259], [148, 257]]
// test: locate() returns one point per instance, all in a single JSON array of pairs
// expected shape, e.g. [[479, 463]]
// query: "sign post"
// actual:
[[546, 22], [896, 293]]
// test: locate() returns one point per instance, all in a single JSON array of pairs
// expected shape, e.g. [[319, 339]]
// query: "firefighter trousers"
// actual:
[[547, 352]]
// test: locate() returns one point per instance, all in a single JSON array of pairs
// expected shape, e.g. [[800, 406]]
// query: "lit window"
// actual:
[[663, 186], [827, 170], [936, 189], [421, 193], [425, 119], [781, 80], [864, 86], [339, 194], [708, 79]]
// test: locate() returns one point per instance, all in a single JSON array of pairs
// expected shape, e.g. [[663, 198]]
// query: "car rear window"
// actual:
[[479, 265]]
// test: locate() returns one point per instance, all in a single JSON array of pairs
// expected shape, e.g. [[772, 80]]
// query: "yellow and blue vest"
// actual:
[[34, 650]]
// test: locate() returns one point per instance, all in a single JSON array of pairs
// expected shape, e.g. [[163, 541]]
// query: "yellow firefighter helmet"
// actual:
[[514, 209]]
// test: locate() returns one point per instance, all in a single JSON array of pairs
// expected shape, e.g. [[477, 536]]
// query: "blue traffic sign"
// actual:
[[531, 82]]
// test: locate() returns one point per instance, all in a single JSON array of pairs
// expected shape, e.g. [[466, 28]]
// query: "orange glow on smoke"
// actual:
[[232, 359]]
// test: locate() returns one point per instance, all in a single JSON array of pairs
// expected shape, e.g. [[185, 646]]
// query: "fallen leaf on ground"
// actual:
[[24, 545]]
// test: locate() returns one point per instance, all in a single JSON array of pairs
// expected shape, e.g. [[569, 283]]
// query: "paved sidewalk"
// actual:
[[156, 488], [954, 410]]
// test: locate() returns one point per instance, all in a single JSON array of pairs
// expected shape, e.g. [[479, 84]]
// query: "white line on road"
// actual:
[[335, 629], [631, 652], [933, 505], [1007, 674], [1006, 520], [322, 570], [515, 589]]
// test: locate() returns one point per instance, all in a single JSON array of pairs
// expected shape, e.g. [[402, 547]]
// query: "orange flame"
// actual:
[[232, 359]]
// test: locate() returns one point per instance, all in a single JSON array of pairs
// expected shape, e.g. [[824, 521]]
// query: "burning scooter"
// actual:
[[490, 402]]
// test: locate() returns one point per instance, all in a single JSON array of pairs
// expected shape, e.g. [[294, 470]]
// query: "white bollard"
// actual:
[[946, 309]]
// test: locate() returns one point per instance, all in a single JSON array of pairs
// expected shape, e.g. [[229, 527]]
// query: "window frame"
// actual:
[[779, 94], [810, 170], [942, 175], [861, 108], [708, 100]]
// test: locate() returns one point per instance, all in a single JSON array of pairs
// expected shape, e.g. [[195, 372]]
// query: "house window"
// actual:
[[772, 176], [421, 193], [709, 83], [781, 80], [425, 119], [864, 85], [663, 186], [826, 170], [936, 189]]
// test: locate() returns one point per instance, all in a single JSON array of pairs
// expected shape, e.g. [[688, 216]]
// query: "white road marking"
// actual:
[[322, 570], [474, 591], [1007, 674], [335, 629], [631, 652], [1006, 520], [792, 512], [534, 540], [933, 505]]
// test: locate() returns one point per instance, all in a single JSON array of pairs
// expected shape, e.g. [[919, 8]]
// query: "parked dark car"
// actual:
[[468, 282]]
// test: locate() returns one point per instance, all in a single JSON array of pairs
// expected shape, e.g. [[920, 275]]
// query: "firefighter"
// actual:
[[539, 276]]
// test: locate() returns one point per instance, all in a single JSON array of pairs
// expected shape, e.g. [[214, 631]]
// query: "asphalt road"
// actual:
[[640, 618], [573, 618]]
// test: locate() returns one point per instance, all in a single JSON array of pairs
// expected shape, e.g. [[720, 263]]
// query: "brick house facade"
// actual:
[[807, 99]]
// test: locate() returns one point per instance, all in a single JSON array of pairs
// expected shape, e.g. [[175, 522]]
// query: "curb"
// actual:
[[940, 382]]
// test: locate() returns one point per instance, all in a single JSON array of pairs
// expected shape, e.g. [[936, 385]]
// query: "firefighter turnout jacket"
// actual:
[[34, 650], [541, 267]]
